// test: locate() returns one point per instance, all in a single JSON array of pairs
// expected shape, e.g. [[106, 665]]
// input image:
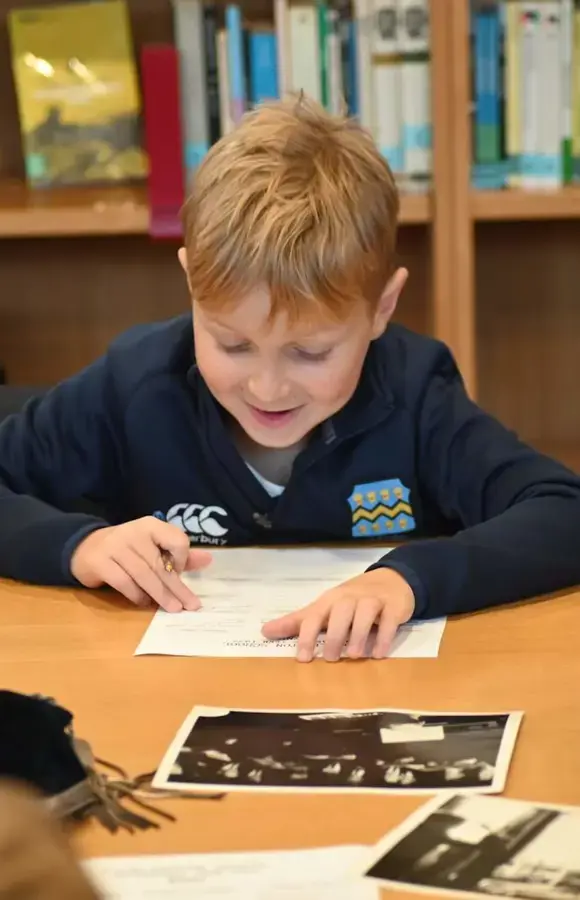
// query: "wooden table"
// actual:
[[77, 647]]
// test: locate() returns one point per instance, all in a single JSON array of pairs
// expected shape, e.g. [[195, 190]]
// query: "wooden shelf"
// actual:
[[96, 211], [415, 209], [72, 211], [520, 205]]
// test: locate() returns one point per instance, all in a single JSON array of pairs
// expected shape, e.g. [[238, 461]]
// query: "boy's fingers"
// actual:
[[184, 595], [171, 538], [151, 581], [365, 617], [116, 577], [337, 630], [310, 630], [386, 634]]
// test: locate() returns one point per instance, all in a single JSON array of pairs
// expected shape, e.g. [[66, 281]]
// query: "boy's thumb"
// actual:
[[197, 559]]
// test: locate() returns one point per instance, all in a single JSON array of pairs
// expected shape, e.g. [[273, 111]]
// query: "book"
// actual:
[[78, 96], [164, 137]]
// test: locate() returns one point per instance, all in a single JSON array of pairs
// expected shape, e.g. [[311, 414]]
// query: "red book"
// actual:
[[163, 138]]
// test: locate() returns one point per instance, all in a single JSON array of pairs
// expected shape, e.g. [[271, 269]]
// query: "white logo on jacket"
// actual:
[[201, 523]]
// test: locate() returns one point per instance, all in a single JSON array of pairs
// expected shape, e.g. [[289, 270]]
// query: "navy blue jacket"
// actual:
[[478, 518]]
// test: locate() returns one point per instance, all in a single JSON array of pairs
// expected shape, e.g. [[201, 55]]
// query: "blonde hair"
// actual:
[[298, 200]]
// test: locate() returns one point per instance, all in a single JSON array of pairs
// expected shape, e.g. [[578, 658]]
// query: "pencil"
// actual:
[[167, 560]]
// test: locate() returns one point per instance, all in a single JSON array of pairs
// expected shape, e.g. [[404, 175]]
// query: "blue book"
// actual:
[[487, 51], [263, 65], [236, 61], [351, 79]]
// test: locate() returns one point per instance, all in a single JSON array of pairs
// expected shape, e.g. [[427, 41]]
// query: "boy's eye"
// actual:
[[236, 348], [312, 356]]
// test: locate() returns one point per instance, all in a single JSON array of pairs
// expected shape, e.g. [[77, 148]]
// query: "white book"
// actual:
[[189, 40], [304, 50], [283, 47], [363, 13], [414, 44], [386, 73], [226, 118], [334, 51], [530, 114], [551, 97]]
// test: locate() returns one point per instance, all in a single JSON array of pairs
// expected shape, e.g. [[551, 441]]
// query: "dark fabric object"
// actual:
[[35, 744]]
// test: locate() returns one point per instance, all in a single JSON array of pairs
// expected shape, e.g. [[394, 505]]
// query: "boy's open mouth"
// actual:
[[273, 418]]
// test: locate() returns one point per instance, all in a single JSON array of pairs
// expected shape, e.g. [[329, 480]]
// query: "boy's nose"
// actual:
[[267, 387]]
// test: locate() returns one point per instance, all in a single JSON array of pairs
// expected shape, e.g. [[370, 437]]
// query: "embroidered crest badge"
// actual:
[[381, 508]]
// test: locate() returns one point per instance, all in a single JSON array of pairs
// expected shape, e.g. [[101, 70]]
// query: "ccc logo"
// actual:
[[193, 518]]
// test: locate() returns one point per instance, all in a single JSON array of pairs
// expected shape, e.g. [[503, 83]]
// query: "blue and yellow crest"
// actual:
[[381, 508]]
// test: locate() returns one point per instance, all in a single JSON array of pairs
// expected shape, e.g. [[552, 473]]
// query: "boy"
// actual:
[[290, 412]]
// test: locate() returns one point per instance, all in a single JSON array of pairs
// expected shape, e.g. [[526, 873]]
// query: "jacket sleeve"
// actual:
[[518, 511], [59, 449]]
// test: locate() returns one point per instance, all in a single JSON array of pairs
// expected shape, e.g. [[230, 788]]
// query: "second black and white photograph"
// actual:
[[398, 751], [490, 846]]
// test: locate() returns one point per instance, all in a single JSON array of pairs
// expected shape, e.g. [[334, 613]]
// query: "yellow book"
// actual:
[[78, 94]]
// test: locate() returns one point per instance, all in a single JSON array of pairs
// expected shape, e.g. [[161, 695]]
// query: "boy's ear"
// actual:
[[388, 301], [182, 257]]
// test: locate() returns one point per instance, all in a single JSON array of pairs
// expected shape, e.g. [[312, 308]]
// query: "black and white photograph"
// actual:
[[398, 751], [478, 846]]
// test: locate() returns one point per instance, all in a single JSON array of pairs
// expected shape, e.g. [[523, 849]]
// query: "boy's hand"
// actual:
[[128, 558], [349, 612]]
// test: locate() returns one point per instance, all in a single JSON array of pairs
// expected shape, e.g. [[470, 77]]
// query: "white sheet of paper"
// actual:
[[324, 874], [246, 587]]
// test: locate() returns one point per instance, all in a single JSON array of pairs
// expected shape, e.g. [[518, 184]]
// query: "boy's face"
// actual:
[[280, 382]]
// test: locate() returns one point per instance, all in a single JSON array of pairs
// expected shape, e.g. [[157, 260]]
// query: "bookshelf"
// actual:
[[525, 206], [516, 285], [487, 274], [108, 211], [77, 266]]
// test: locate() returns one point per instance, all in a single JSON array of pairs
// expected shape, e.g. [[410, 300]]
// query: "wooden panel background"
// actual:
[[63, 300], [528, 330]]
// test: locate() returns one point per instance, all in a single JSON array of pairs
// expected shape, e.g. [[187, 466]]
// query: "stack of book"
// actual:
[[526, 93]]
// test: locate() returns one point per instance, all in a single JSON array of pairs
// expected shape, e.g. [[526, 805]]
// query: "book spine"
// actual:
[[512, 91], [226, 120], [283, 47], [567, 76], [386, 70], [236, 66], [322, 31], [211, 71], [415, 76], [189, 41], [163, 137], [347, 42], [576, 94], [530, 52], [263, 66], [305, 56], [548, 172], [487, 92], [363, 13], [336, 92]]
